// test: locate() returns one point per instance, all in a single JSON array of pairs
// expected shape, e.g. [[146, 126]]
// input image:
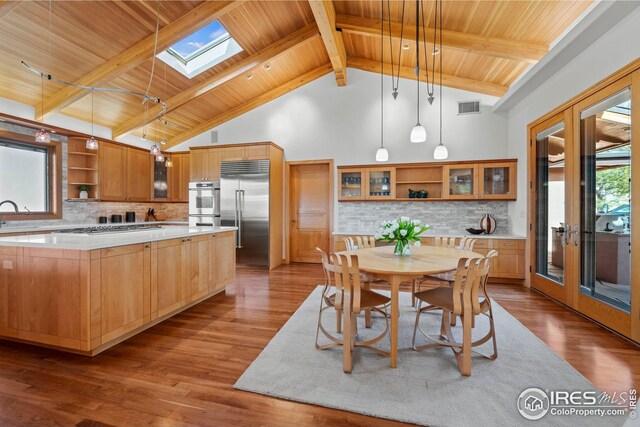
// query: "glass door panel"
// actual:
[[381, 183], [605, 201], [461, 182], [351, 185], [551, 234]]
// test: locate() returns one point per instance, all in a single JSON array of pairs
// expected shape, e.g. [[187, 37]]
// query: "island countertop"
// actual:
[[86, 242]]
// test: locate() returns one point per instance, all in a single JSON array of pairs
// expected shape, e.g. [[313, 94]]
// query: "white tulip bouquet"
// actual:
[[403, 232]]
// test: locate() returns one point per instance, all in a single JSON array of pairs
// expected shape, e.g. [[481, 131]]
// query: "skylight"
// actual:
[[201, 50]]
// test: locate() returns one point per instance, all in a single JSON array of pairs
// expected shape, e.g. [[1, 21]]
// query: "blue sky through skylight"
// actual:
[[198, 40]]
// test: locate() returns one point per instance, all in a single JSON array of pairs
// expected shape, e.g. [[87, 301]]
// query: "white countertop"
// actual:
[[431, 233], [86, 242], [63, 226]]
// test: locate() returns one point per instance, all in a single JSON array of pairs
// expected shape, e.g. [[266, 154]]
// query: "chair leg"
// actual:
[[415, 330], [367, 312], [465, 367], [347, 343], [493, 334], [338, 321]]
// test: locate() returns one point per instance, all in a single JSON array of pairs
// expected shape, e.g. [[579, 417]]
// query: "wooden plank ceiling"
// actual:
[[487, 45]]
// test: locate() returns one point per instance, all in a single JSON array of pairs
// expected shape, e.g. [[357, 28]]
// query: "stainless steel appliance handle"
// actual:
[[235, 220], [576, 234], [216, 201], [240, 219], [567, 233]]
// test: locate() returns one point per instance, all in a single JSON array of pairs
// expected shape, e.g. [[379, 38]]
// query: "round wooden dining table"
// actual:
[[424, 261]]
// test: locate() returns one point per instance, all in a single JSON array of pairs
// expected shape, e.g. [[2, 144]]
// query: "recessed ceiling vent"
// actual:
[[468, 107]]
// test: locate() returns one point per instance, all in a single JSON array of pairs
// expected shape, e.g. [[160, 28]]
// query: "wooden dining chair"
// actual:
[[364, 242], [349, 299], [441, 279], [467, 299]]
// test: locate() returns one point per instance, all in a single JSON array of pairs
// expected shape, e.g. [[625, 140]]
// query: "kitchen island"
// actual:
[[86, 293]]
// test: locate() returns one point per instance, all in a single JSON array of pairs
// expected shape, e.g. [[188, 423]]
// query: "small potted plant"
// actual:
[[84, 191], [403, 232]]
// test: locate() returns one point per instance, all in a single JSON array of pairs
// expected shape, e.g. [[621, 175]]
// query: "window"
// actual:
[[201, 50], [30, 177]]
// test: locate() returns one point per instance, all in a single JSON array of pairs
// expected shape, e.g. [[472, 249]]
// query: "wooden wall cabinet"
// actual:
[[205, 164], [112, 161], [245, 152], [179, 177], [125, 173], [467, 180], [460, 182]]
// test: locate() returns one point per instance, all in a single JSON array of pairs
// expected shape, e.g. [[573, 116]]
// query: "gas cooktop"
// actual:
[[109, 229]]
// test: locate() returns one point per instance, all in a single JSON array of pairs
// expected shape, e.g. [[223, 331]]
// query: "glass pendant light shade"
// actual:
[[160, 158], [92, 144], [382, 155], [155, 150], [168, 162], [418, 134], [441, 152], [43, 136]]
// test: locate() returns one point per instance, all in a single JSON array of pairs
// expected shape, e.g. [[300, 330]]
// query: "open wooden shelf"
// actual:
[[418, 182], [77, 199], [75, 168], [82, 169], [83, 183]]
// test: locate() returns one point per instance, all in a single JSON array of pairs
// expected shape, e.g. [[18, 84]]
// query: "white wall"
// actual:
[[321, 120], [612, 51]]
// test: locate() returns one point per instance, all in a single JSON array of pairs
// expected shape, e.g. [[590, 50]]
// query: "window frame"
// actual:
[[54, 171]]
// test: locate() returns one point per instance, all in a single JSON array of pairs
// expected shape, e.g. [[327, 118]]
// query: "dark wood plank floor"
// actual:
[[182, 371]]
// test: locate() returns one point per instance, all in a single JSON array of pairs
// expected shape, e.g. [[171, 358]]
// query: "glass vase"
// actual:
[[402, 248]]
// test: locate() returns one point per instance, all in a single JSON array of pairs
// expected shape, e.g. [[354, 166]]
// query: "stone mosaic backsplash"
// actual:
[[443, 217], [88, 212]]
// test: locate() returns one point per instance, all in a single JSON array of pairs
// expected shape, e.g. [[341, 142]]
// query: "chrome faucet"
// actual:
[[15, 208]]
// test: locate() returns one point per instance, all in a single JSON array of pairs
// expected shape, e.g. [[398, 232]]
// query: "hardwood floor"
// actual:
[[182, 371]]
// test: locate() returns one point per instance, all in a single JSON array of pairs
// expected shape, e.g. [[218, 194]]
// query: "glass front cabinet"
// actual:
[[381, 183], [461, 182], [352, 184], [366, 184], [497, 181]]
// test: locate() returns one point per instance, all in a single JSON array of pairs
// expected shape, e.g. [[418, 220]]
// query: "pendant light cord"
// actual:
[[92, 113], [382, 73], [417, 61], [441, 54], [395, 80]]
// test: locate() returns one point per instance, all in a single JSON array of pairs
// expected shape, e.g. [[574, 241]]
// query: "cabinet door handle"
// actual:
[[147, 246]]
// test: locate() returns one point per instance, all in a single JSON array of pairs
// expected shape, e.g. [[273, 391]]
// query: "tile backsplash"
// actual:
[[443, 217], [88, 212]]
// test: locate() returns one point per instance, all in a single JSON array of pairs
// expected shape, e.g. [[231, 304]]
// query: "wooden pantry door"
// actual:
[[310, 209]]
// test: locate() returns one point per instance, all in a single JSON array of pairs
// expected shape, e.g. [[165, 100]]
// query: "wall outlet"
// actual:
[[7, 264]]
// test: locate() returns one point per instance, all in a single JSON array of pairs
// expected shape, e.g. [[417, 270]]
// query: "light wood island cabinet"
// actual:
[[85, 301]]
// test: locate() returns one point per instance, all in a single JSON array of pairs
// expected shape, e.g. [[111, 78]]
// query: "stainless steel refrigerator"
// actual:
[[244, 203]]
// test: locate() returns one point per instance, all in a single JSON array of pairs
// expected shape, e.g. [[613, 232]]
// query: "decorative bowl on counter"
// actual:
[[475, 230]]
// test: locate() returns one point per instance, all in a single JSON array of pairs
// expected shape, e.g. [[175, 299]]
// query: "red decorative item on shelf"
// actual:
[[488, 224]]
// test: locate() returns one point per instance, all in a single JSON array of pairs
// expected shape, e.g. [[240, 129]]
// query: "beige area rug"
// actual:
[[427, 387]]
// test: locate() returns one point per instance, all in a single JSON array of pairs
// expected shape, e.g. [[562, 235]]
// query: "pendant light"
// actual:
[[382, 155], [159, 158], [154, 150], [441, 152], [418, 133], [42, 135], [168, 162], [92, 143]]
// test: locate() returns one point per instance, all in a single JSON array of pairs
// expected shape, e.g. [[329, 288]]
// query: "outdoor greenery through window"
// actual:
[[24, 177]]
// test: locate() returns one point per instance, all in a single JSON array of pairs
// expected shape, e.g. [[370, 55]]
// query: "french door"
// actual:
[[551, 217], [585, 172]]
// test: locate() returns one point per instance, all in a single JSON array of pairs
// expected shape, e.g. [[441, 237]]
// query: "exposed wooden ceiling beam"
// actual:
[[175, 31], [492, 46], [257, 59], [254, 103], [325, 15], [447, 79]]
